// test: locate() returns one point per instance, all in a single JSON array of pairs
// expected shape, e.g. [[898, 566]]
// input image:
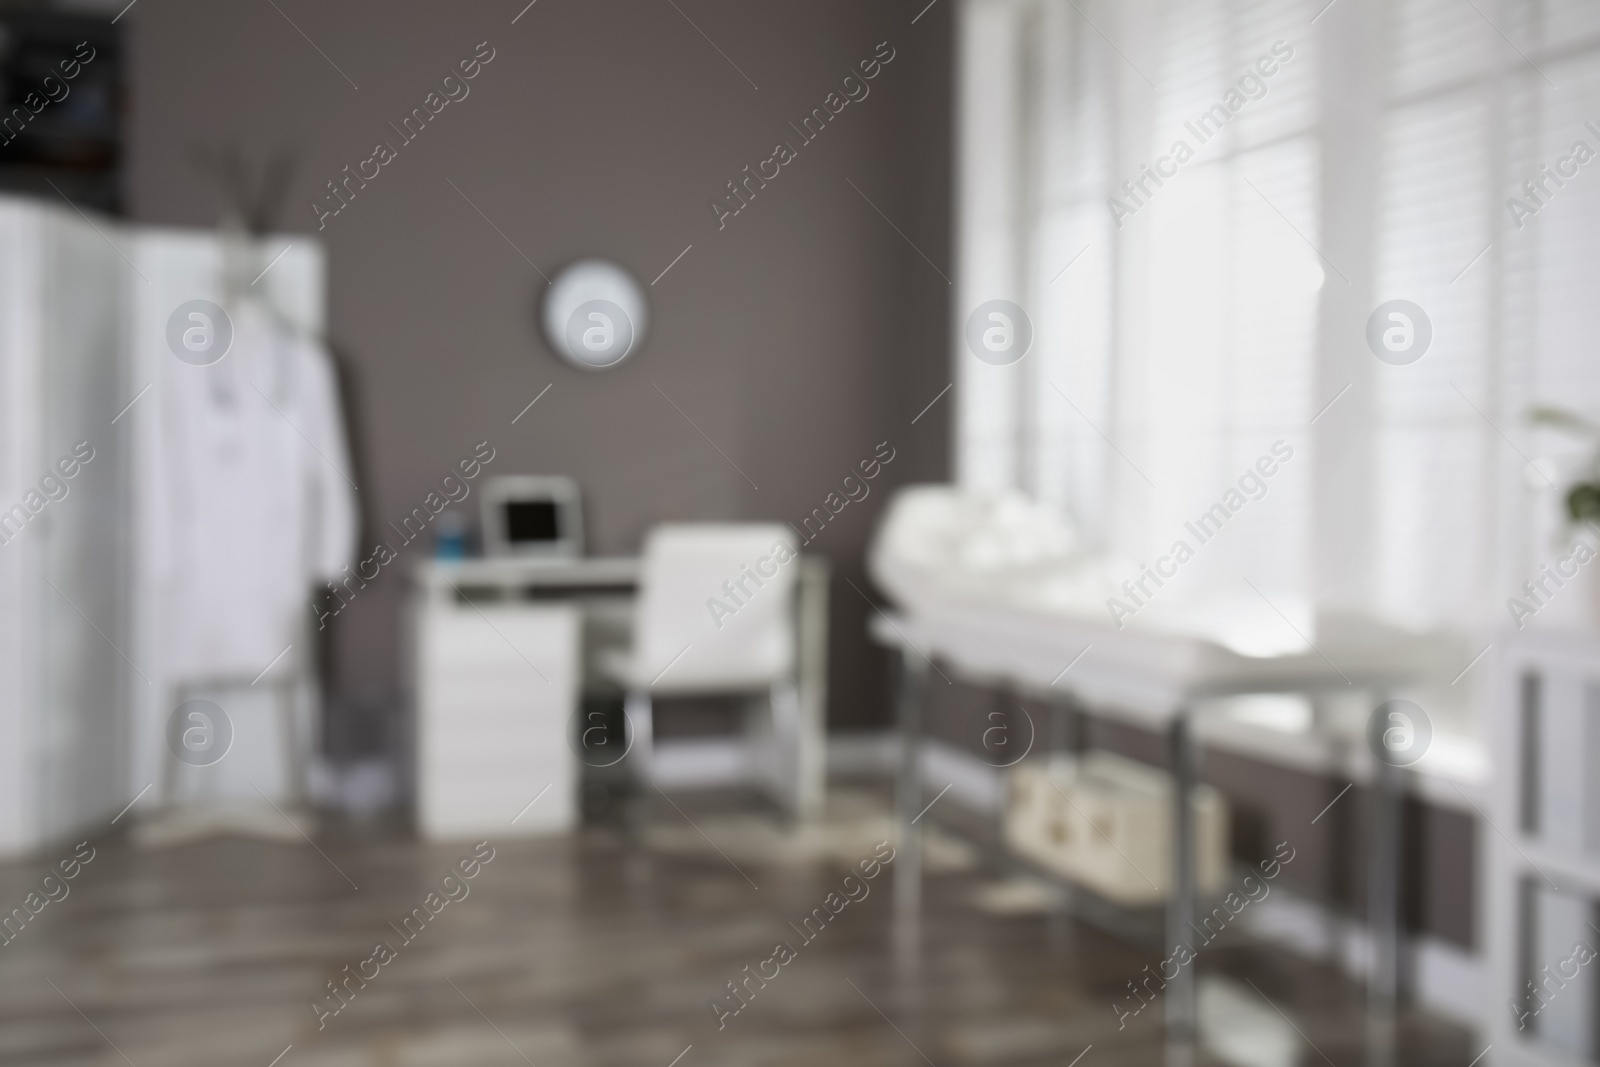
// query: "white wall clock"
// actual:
[[594, 314]]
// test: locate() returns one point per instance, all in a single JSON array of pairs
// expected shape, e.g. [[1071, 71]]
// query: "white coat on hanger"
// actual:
[[260, 509]]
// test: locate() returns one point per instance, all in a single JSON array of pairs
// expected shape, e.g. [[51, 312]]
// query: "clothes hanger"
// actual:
[[252, 197]]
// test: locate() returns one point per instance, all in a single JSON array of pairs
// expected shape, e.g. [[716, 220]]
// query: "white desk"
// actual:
[[504, 649]]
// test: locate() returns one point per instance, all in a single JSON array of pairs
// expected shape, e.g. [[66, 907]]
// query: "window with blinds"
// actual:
[[1434, 475], [1184, 323]]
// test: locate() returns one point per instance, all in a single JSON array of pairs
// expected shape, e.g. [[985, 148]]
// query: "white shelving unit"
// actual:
[[1542, 851]]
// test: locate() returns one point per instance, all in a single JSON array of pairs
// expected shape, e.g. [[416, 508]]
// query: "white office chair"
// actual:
[[716, 616]]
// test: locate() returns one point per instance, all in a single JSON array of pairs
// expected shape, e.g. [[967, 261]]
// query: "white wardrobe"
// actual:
[[84, 310]]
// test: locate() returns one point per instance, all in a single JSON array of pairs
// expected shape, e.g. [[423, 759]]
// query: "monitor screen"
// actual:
[[532, 522], [535, 516]]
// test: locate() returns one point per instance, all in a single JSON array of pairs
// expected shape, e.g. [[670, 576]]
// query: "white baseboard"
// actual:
[[1452, 981], [972, 782], [701, 761], [1444, 977], [724, 760], [863, 753]]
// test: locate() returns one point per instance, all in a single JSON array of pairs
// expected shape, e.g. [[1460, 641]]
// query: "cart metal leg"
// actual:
[[638, 712], [1383, 914], [1181, 998], [286, 696], [908, 801]]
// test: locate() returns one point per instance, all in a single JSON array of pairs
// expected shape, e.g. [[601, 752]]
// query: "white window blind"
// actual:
[[1171, 350], [1434, 479]]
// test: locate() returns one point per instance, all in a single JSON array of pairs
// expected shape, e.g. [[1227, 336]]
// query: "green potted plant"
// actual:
[[1581, 502], [1583, 496]]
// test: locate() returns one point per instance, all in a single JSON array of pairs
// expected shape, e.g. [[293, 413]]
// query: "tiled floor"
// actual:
[[592, 951]]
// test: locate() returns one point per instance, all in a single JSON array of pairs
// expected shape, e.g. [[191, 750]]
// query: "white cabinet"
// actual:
[[1542, 863], [495, 689]]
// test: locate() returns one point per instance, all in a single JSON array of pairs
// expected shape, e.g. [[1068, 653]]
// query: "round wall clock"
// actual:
[[594, 314]]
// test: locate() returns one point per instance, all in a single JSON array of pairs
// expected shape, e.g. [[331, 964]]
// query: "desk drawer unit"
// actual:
[[495, 691]]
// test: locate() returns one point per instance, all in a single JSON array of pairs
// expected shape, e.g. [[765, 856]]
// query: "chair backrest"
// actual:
[[715, 608]]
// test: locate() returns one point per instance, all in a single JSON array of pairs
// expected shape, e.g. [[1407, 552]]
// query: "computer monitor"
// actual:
[[533, 515]]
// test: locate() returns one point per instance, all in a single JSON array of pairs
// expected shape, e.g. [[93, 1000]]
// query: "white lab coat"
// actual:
[[258, 505]]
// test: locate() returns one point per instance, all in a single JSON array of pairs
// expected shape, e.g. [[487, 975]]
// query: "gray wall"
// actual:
[[796, 338]]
